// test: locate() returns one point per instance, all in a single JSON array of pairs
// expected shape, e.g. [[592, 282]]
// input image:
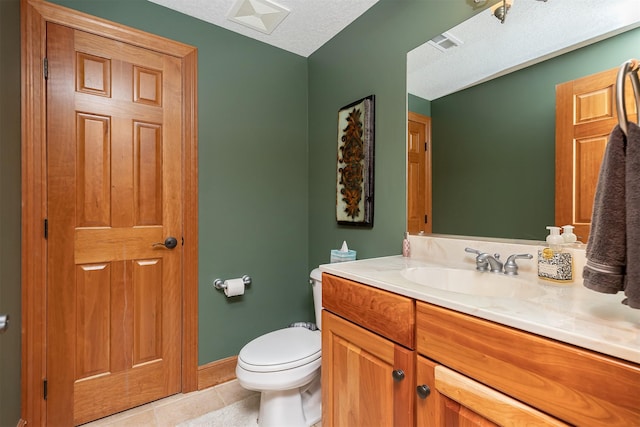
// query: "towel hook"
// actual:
[[630, 67]]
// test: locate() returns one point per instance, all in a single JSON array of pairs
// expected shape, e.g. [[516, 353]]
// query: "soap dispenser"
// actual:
[[406, 246], [554, 239], [567, 234], [553, 263]]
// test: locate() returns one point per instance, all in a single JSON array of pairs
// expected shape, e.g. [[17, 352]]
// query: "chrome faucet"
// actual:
[[495, 266], [486, 262]]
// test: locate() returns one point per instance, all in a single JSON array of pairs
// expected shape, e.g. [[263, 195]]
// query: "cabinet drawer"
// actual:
[[385, 313], [575, 385]]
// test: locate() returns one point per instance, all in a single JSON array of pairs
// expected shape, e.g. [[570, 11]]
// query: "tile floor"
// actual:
[[179, 408], [175, 409]]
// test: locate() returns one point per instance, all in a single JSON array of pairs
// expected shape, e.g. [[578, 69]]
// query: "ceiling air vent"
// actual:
[[445, 41], [261, 15]]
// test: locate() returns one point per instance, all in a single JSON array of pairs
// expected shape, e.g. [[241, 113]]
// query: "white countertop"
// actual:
[[569, 313]]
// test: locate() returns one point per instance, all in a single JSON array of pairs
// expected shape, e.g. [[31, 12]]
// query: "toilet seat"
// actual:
[[280, 350]]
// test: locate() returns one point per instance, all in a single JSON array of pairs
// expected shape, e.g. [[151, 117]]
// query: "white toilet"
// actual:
[[284, 366]]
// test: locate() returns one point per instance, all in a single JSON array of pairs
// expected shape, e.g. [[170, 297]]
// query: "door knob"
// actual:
[[423, 391], [398, 375], [169, 243]]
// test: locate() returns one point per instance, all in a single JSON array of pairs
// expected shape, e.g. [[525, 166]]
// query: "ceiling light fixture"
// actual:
[[500, 10], [261, 15]]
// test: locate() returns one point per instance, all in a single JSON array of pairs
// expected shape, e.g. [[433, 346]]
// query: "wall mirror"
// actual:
[[488, 88]]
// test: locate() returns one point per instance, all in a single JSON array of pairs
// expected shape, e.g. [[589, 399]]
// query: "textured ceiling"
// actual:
[[309, 24], [532, 32]]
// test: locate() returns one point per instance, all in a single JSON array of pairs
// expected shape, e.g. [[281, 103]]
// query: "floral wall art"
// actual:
[[354, 189]]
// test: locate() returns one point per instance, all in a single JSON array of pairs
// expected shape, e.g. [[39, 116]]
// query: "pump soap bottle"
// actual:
[[553, 263], [567, 234], [406, 246]]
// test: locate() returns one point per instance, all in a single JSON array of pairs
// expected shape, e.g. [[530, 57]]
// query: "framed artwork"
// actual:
[[354, 188]]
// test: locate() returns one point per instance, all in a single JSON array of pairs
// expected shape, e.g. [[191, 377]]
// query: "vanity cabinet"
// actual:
[[368, 373], [475, 372]]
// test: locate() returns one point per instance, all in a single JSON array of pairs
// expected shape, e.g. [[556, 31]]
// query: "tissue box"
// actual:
[[339, 256]]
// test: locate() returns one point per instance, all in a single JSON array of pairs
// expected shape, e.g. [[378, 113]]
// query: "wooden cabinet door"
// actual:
[[436, 409], [419, 174], [458, 401], [429, 400], [585, 116], [359, 387], [114, 179]]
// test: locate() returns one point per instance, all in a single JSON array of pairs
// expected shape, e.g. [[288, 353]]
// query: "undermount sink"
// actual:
[[472, 282]]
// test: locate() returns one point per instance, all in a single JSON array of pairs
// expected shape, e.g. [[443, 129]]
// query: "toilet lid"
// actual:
[[282, 349]]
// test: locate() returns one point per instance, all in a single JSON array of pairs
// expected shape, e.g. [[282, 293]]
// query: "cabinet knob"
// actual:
[[423, 391], [398, 375]]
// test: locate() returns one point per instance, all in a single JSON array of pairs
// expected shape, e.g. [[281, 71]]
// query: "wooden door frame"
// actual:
[[34, 17]]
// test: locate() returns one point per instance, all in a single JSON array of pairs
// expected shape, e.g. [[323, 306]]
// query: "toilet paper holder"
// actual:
[[219, 283]]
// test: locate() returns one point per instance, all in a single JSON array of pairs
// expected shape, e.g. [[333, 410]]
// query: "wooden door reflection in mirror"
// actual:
[[585, 116], [419, 174]]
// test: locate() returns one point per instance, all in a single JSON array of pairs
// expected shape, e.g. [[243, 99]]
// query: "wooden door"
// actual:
[[358, 382], [114, 191], [418, 174], [585, 116]]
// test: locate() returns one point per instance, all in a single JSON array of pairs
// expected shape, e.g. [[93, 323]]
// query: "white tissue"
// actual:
[[234, 287], [344, 247]]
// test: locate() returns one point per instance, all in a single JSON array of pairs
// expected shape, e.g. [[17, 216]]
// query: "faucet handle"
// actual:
[[510, 267], [482, 264]]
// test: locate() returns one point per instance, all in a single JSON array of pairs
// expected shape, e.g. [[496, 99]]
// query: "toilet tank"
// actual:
[[316, 285]]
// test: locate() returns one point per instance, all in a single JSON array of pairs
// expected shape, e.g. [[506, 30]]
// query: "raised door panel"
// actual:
[[93, 306], [93, 174], [357, 377]]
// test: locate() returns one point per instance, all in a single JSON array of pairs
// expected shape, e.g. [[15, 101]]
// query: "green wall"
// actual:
[[368, 57], [10, 210], [253, 174], [494, 145], [418, 105]]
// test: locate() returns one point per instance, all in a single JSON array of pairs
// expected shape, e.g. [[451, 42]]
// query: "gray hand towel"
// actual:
[[606, 247], [632, 197], [613, 248]]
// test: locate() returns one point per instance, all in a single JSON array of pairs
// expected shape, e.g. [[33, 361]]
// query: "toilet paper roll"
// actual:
[[234, 287]]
